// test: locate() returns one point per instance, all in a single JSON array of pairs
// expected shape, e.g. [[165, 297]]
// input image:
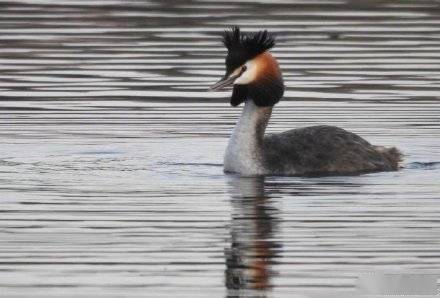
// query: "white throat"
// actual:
[[244, 154]]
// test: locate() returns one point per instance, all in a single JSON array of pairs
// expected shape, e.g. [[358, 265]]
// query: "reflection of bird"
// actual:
[[317, 150], [249, 260]]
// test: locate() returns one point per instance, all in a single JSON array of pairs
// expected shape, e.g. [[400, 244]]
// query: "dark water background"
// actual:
[[111, 179]]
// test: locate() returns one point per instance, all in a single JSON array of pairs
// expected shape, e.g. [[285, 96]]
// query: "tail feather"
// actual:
[[392, 155]]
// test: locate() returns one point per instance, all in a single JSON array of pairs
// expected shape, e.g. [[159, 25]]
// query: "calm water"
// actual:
[[111, 151]]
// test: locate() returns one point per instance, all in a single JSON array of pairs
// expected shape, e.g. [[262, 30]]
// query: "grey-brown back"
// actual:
[[323, 150]]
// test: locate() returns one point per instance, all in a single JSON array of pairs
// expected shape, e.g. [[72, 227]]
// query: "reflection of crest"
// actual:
[[249, 259]]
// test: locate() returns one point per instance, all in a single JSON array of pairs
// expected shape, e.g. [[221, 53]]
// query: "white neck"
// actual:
[[244, 154]]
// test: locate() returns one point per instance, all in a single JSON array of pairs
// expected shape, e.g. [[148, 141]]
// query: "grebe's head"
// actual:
[[251, 70]]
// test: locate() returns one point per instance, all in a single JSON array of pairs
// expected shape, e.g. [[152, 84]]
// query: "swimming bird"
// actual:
[[257, 81]]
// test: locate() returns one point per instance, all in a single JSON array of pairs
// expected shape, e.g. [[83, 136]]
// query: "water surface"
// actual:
[[111, 150]]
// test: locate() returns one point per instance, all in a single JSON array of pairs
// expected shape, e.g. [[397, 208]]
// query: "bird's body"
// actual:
[[325, 150], [315, 150]]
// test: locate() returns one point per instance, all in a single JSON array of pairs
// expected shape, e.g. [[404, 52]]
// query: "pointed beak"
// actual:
[[223, 83]]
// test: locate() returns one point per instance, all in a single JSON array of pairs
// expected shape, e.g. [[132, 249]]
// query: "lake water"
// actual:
[[111, 178]]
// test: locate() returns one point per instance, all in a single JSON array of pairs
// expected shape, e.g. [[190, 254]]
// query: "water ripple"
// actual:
[[111, 149]]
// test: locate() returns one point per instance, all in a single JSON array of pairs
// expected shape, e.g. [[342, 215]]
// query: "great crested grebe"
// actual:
[[316, 150]]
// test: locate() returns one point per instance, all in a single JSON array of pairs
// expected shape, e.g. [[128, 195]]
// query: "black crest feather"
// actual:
[[245, 46]]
